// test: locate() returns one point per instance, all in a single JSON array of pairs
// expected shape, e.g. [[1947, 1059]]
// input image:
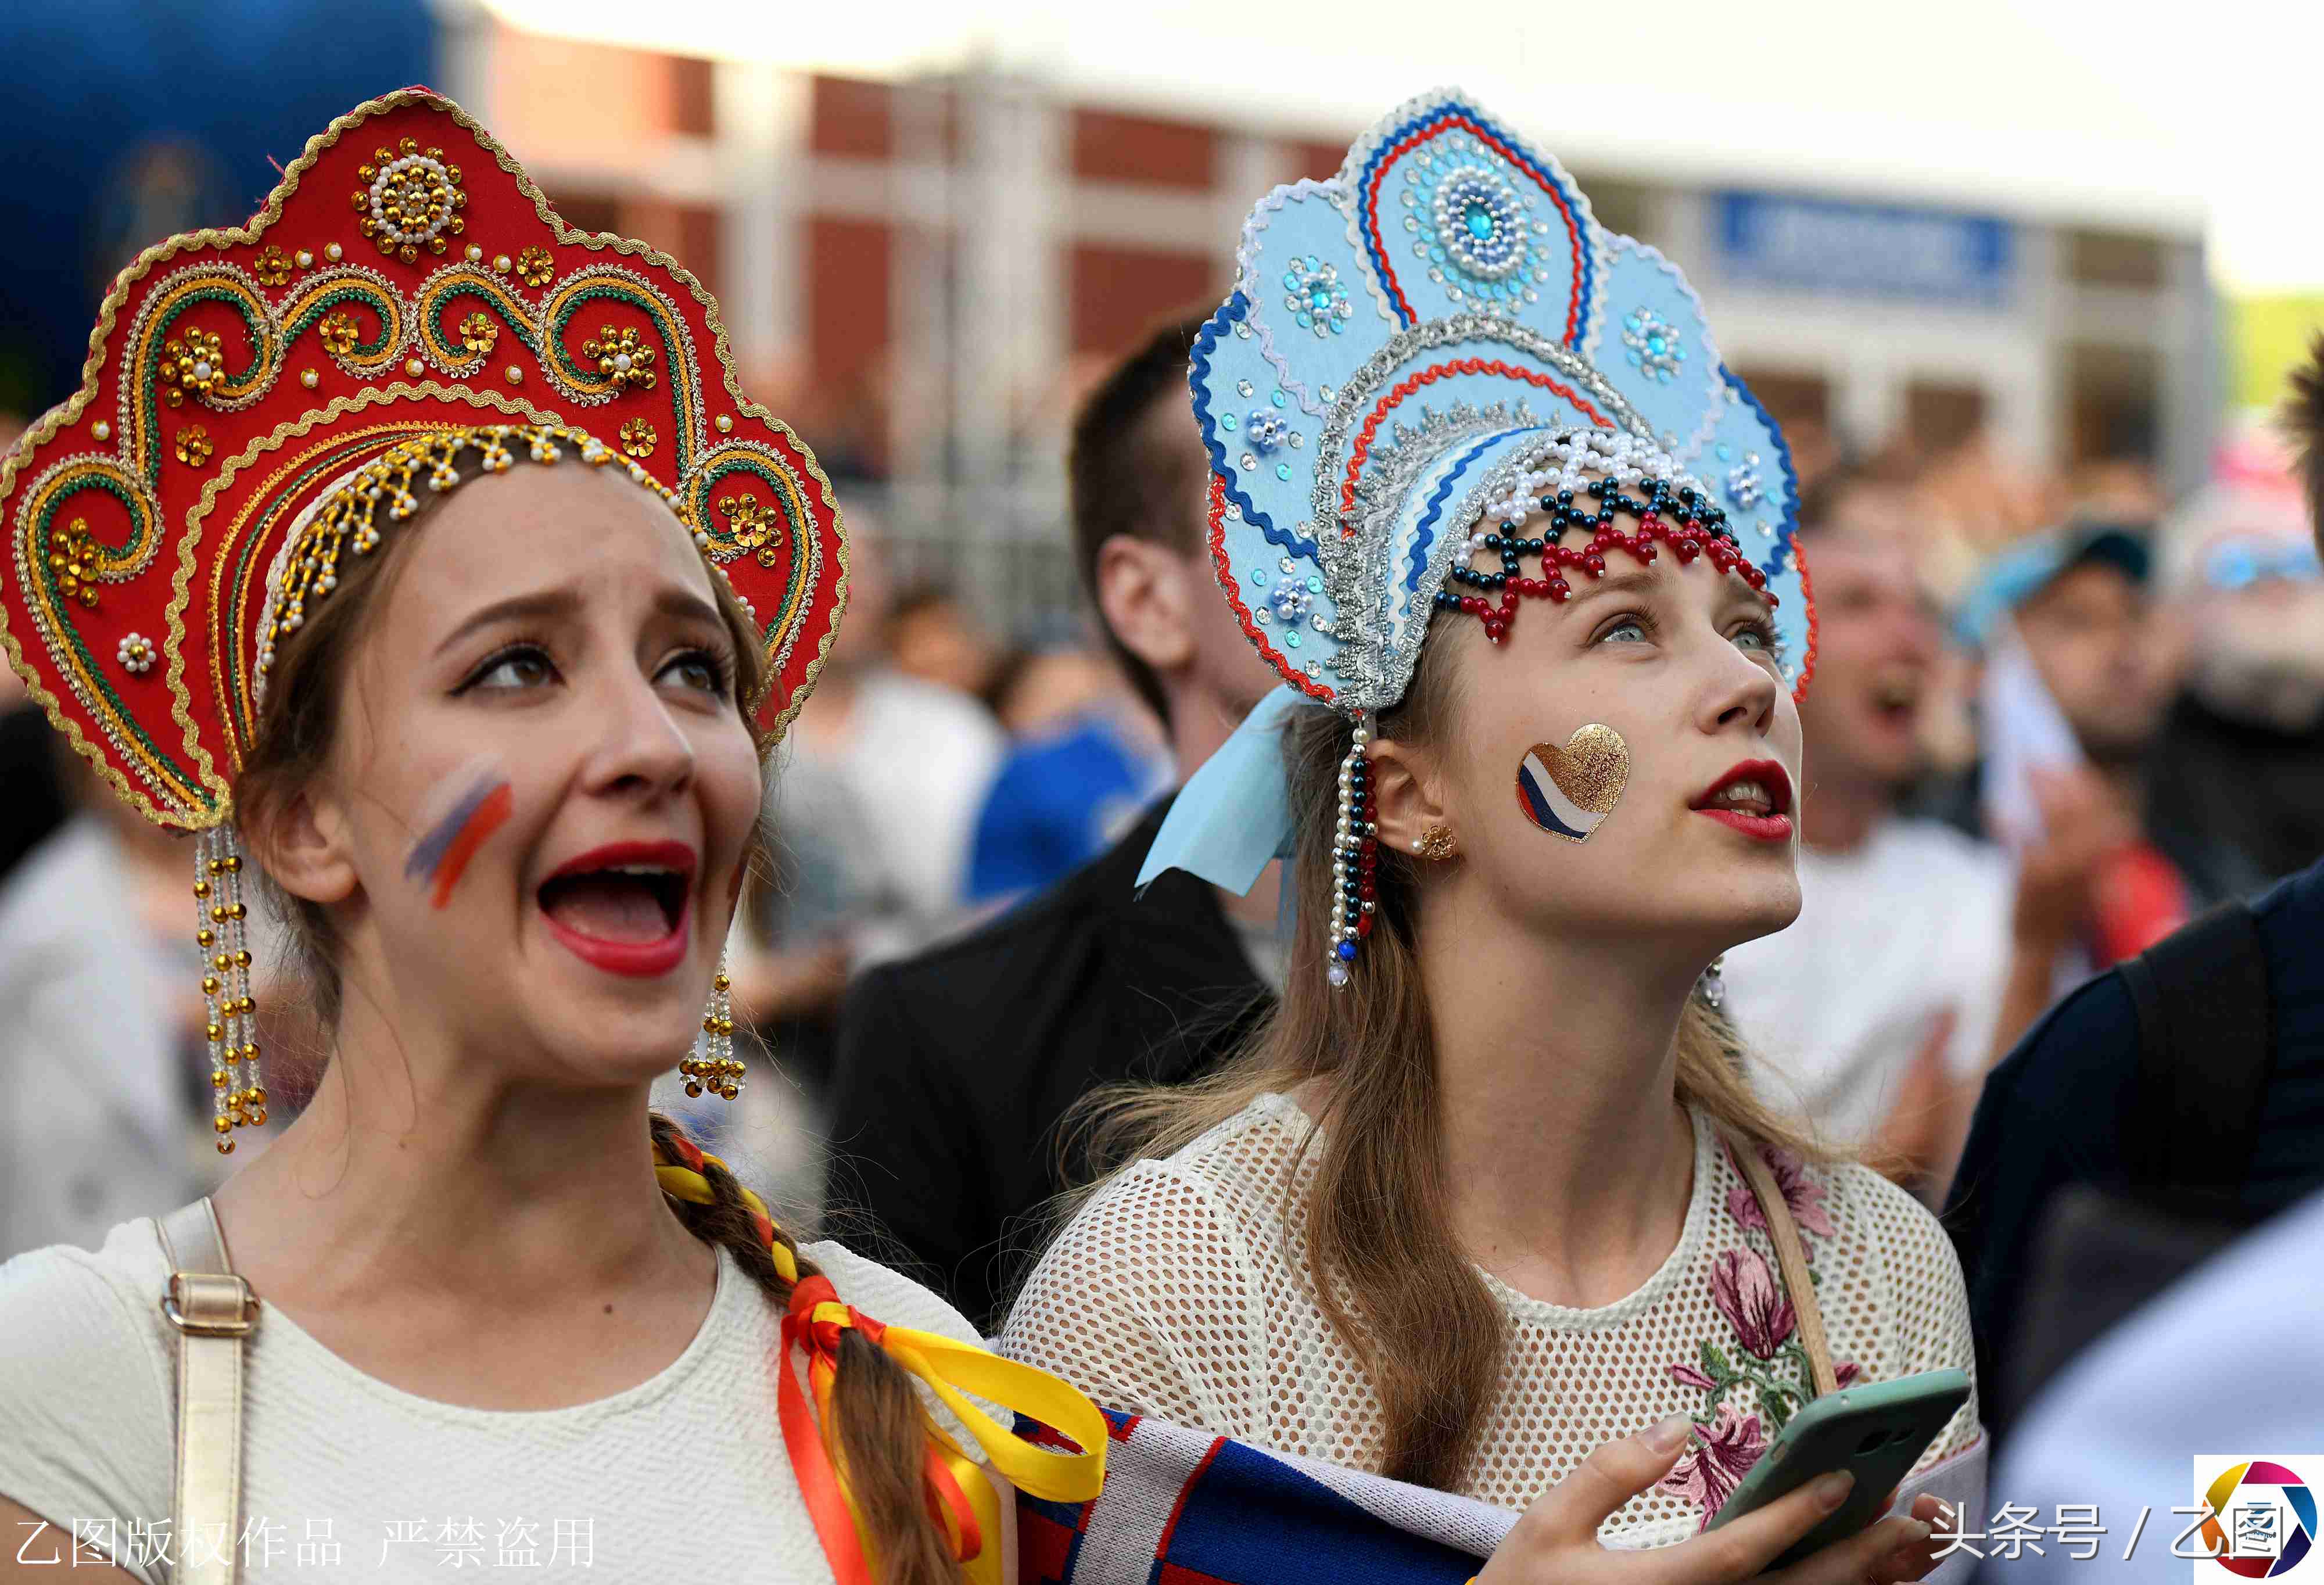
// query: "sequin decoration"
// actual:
[[191, 362], [638, 437], [622, 358], [273, 266], [534, 267], [411, 200], [1744, 487], [1652, 346], [1290, 600], [193, 446], [1473, 225], [1313, 292], [72, 558], [478, 334], [136, 654], [1265, 431]]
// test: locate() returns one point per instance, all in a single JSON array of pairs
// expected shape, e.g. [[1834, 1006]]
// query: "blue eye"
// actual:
[[1631, 626], [1751, 638]]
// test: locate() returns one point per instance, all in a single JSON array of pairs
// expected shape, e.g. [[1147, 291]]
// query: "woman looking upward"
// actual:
[[1480, 1200], [323, 565]]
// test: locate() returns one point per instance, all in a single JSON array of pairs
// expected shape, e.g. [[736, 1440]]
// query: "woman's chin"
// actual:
[[1765, 911], [616, 1044]]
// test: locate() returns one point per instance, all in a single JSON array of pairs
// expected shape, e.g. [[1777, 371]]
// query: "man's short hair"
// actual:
[[1128, 472], [2303, 421]]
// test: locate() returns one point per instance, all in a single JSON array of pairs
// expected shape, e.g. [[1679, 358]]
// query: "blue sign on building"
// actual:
[[1874, 250]]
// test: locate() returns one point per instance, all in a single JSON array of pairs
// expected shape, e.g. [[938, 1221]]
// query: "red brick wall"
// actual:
[[1118, 293], [848, 117], [846, 296], [688, 233], [1108, 147]]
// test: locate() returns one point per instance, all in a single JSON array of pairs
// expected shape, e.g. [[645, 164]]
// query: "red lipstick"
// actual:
[[1770, 823], [664, 868]]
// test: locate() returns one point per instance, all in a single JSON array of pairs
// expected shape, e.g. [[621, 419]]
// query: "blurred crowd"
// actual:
[[2053, 718]]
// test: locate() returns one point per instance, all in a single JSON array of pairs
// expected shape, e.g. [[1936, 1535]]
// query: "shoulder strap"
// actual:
[[2206, 1041], [1791, 1259], [214, 1312]]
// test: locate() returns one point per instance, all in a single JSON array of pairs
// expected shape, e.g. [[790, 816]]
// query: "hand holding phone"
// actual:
[[1876, 1432]]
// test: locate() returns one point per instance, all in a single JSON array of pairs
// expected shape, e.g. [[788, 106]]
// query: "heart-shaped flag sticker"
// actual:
[[1569, 791]]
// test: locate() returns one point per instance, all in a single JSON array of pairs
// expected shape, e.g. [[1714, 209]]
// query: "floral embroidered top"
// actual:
[[1180, 1291]]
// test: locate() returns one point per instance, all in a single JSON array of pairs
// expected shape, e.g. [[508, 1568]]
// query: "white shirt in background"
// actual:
[[874, 827], [1836, 1008], [99, 1057]]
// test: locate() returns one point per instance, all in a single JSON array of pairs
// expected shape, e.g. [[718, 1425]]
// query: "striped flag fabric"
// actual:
[[1182, 1507]]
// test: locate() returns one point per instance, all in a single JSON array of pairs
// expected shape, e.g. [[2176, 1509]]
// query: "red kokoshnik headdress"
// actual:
[[406, 281]]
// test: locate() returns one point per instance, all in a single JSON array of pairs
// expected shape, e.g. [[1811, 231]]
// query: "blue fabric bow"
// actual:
[[1234, 816]]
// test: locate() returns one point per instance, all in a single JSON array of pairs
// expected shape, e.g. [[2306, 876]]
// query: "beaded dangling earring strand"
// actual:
[[716, 1069], [1355, 856], [232, 1026], [1711, 983]]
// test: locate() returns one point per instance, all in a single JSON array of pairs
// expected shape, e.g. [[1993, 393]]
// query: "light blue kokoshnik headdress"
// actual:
[[1441, 333]]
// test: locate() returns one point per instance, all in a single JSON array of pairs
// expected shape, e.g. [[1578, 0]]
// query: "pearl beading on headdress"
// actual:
[[1355, 857], [350, 521]]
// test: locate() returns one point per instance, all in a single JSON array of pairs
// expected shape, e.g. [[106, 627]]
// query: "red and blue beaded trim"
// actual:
[[1684, 518]]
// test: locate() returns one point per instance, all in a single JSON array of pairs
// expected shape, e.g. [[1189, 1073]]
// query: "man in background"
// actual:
[[1873, 1012], [955, 1068], [2077, 671], [2235, 781], [2162, 1105]]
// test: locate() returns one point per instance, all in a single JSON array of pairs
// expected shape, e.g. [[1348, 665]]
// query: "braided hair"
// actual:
[[881, 1435]]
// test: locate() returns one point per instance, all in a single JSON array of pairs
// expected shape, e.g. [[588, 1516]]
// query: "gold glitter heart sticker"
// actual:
[[1569, 791]]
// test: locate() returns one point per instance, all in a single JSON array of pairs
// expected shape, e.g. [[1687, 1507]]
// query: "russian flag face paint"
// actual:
[[467, 806], [1569, 791]]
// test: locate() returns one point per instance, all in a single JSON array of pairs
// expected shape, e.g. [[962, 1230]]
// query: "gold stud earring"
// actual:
[[716, 1069], [1436, 844]]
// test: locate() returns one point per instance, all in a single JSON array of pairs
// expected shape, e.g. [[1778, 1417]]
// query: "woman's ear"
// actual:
[[301, 843], [1406, 793]]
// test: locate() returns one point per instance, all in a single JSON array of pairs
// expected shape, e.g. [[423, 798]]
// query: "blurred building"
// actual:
[[926, 271], [922, 274]]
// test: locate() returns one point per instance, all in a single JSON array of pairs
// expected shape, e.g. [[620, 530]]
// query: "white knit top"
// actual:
[[1180, 1291], [682, 1476]]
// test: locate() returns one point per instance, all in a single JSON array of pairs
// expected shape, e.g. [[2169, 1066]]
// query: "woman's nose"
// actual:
[[639, 744]]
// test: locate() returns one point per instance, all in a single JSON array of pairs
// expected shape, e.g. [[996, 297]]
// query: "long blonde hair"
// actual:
[[1389, 1271]]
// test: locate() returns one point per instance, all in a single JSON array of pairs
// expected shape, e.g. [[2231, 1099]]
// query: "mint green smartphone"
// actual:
[[1879, 1432]]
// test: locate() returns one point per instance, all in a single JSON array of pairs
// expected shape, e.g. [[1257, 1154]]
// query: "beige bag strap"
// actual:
[[1791, 1258], [214, 1312]]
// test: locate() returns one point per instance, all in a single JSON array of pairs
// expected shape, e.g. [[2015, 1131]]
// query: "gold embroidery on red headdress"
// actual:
[[156, 500]]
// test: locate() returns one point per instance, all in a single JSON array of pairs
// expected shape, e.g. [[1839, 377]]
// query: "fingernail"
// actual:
[[1832, 1491], [1916, 1531], [1667, 1436]]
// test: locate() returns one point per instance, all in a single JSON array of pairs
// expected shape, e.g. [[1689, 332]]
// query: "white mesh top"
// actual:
[[1180, 1291]]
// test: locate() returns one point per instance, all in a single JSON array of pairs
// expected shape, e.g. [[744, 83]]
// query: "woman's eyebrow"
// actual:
[[538, 605], [1622, 582], [686, 605]]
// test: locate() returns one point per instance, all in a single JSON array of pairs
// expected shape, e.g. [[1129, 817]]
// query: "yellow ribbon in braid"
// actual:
[[974, 1498], [688, 1184]]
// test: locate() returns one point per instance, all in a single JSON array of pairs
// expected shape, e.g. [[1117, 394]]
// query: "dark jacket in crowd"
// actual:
[[955, 1068], [2237, 805], [2058, 1114]]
